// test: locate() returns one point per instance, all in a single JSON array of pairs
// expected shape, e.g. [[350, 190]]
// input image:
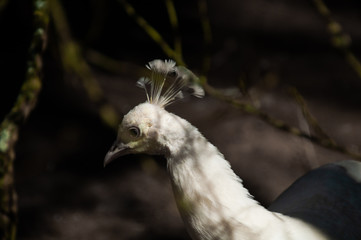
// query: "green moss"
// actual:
[[4, 140]]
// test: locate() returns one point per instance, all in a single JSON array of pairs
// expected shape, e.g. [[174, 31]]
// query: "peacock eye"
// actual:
[[134, 131]]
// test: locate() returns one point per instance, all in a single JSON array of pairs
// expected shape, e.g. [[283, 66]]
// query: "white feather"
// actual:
[[167, 81]]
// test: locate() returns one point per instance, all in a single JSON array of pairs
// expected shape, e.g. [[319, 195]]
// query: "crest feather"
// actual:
[[167, 81]]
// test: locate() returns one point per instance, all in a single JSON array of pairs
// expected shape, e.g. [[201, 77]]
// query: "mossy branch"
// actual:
[[9, 128]]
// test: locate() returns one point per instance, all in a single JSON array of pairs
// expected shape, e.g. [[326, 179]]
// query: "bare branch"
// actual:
[[339, 38]]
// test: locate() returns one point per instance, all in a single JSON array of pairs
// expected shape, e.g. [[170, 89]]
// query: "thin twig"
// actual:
[[207, 35], [9, 127], [173, 19], [152, 32], [279, 124], [310, 119], [339, 38]]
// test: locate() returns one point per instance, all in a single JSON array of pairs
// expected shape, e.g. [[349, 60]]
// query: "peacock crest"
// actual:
[[167, 82]]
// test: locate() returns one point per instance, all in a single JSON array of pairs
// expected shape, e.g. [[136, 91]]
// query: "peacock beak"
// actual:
[[118, 149]]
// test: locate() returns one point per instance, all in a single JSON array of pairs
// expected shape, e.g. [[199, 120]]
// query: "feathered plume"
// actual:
[[167, 81]]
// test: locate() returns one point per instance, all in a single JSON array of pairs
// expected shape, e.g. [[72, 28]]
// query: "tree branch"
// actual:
[[9, 128]]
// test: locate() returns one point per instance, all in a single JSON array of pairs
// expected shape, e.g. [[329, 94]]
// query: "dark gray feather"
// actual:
[[328, 198]]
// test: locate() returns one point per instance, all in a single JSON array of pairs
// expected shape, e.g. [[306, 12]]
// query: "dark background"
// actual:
[[65, 193]]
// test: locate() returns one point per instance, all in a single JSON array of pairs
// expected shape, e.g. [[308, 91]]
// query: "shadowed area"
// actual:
[[63, 190]]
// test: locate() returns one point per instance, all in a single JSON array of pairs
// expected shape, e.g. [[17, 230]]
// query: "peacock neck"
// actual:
[[209, 195]]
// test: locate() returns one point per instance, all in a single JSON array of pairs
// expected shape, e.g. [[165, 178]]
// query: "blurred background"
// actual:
[[255, 51]]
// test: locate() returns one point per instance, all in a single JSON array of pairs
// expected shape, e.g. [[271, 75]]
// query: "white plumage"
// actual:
[[210, 196]]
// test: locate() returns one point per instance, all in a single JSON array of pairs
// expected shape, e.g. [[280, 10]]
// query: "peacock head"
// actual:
[[144, 128]]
